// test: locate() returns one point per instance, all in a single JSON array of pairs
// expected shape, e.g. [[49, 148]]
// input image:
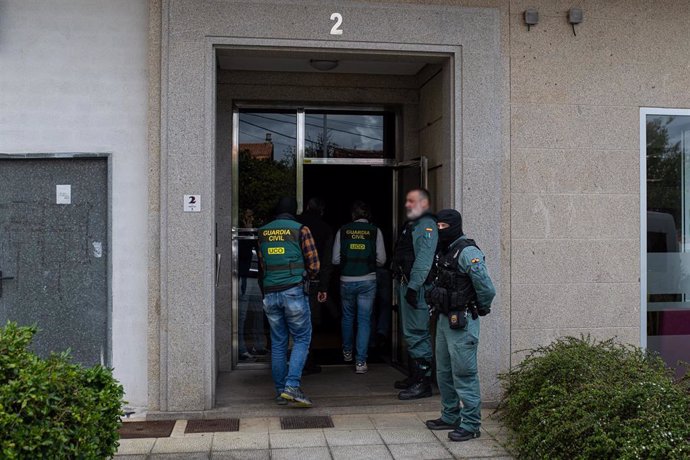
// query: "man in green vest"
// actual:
[[288, 258], [412, 260], [358, 248]]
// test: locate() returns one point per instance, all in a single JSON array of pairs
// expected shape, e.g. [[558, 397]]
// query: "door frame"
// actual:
[[454, 55], [108, 156]]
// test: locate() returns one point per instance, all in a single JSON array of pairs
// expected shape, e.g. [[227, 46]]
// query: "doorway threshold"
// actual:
[[336, 390]]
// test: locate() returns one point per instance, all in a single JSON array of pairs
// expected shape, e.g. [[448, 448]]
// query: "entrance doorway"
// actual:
[[356, 162], [341, 137]]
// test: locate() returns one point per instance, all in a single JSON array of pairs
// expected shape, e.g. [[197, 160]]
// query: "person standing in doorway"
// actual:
[[312, 217], [358, 248], [412, 260], [461, 292], [250, 302], [288, 258]]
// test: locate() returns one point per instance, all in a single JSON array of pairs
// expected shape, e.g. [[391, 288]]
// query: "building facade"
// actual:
[[562, 145]]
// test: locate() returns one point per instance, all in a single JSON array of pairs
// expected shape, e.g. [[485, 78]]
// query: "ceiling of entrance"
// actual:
[[299, 61]]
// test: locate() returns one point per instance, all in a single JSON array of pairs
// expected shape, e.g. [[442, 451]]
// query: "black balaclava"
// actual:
[[287, 205], [454, 231]]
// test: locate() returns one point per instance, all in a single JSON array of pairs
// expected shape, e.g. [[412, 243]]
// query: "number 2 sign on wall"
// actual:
[[192, 203], [338, 18]]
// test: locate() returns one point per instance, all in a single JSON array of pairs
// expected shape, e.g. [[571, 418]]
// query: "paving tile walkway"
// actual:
[[398, 436]]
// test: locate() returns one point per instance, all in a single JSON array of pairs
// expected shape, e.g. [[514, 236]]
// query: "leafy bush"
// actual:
[[578, 398], [52, 408]]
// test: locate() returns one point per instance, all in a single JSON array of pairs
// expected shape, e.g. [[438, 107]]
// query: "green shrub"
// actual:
[[578, 398], [52, 408]]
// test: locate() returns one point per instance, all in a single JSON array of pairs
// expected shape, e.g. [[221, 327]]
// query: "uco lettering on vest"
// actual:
[[357, 246], [278, 250]]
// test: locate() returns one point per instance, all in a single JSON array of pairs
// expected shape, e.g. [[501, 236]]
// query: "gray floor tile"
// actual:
[[352, 422], [189, 444], [255, 454], [297, 438], [307, 453], [183, 456], [239, 440], [352, 437], [140, 446], [254, 425], [378, 452], [405, 420], [131, 457], [407, 436], [423, 451]]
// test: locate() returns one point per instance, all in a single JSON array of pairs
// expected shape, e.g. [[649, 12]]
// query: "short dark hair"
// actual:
[[424, 193], [316, 204], [360, 210]]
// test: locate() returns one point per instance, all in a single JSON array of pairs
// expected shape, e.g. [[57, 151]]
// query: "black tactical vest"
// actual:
[[446, 275], [403, 256]]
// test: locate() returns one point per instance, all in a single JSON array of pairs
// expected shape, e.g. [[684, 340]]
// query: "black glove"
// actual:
[[411, 297], [483, 311]]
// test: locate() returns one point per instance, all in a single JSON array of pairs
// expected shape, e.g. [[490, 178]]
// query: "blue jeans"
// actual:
[[357, 295], [288, 314]]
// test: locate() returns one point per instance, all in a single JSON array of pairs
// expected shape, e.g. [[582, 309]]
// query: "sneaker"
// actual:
[[280, 401], [295, 395], [262, 352], [347, 356], [461, 434], [361, 368]]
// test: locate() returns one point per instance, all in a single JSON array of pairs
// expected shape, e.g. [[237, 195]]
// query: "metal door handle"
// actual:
[[2, 278], [218, 258]]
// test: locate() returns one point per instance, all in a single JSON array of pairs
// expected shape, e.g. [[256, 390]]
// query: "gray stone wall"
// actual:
[[575, 179], [188, 140], [73, 78]]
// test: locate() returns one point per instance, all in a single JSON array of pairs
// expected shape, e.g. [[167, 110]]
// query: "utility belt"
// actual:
[[452, 304]]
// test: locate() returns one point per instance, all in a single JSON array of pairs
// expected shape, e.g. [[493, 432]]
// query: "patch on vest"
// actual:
[[475, 261], [277, 234], [358, 234], [276, 251], [358, 246]]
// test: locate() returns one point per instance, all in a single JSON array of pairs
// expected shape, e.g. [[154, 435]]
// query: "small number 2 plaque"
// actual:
[[192, 203]]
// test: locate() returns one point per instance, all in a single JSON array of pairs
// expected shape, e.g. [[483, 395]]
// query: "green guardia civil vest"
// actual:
[[358, 248], [283, 262]]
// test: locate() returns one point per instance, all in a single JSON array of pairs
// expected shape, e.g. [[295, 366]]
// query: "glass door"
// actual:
[[306, 154], [265, 168], [406, 175]]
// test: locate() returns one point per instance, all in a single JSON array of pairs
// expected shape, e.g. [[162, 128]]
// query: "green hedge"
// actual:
[[52, 408], [582, 399]]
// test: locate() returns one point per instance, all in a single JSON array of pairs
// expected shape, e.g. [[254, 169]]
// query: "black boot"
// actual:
[[421, 388]]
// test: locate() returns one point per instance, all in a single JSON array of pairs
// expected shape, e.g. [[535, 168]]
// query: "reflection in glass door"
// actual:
[[666, 139], [270, 150], [264, 169]]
